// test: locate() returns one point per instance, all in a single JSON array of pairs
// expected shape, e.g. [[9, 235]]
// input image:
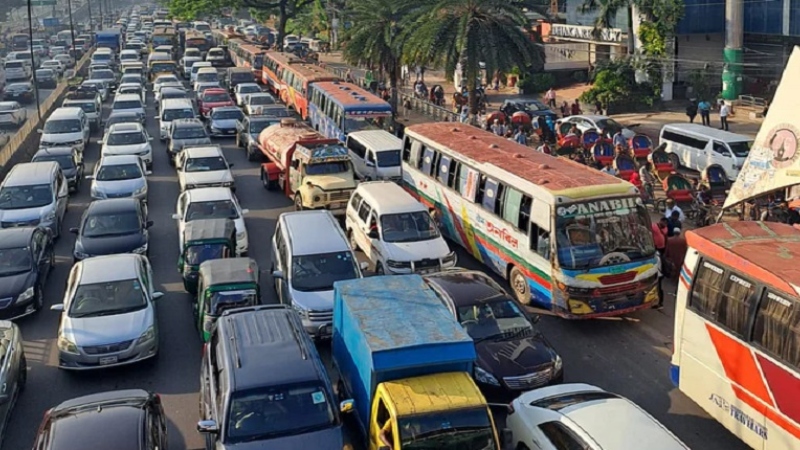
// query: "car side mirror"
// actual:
[[148, 224], [156, 117], [89, 177], [74, 230], [176, 216], [207, 426], [277, 274], [157, 295], [245, 211], [373, 234], [57, 307], [346, 406]]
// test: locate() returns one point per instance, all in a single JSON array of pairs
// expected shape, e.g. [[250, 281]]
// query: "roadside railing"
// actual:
[[435, 112], [751, 101]]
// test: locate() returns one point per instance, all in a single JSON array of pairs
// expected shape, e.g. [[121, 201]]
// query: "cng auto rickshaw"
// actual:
[[205, 239], [224, 284]]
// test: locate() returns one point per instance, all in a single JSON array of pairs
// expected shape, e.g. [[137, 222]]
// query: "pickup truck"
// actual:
[[406, 362]]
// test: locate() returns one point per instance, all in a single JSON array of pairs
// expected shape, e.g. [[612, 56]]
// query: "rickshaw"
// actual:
[[521, 119], [224, 284], [641, 146], [566, 140], [603, 152], [590, 138], [488, 119], [678, 188], [625, 165], [660, 164], [717, 181], [204, 239]]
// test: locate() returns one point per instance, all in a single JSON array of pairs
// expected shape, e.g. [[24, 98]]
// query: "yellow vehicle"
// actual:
[[156, 68], [164, 36]]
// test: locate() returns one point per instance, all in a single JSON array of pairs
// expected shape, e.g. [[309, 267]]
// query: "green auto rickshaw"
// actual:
[[224, 284], [205, 239]]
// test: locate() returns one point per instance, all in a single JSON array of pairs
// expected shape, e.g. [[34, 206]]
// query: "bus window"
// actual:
[[777, 327], [511, 206], [444, 169], [427, 161], [540, 241], [406, 149], [725, 300], [490, 194]]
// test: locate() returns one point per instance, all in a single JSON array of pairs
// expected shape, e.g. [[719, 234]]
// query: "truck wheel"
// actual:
[[298, 202], [264, 179], [519, 285]]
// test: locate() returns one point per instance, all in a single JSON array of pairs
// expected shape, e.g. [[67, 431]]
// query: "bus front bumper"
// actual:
[[581, 307]]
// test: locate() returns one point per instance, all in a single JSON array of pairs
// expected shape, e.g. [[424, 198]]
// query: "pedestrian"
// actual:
[[659, 231], [619, 140], [464, 113], [348, 76], [691, 111], [659, 283], [598, 108], [724, 112], [565, 109], [404, 74], [496, 81], [498, 128], [520, 137], [609, 169], [705, 112], [550, 97], [576, 108]]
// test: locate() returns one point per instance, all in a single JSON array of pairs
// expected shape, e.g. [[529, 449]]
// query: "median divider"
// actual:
[[25, 142]]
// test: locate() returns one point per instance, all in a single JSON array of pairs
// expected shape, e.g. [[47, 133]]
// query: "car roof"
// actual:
[[112, 205], [706, 132], [123, 113], [204, 151], [15, 237], [313, 232], [215, 91], [126, 127], [116, 160], [466, 287], [388, 197], [209, 194], [187, 123], [592, 117], [4, 105], [96, 269], [26, 174], [261, 94], [378, 140], [125, 97], [66, 112], [226, 108]]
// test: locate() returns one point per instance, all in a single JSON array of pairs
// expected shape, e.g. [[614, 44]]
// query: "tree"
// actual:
[[193, 9], [376, 37], [284, 9], [470, 32], [312, 20]]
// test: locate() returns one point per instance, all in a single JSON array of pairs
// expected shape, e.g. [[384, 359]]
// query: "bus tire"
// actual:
[[519, 285]]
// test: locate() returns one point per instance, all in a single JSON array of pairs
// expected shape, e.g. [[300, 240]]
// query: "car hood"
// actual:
[[13, 285], [110, 245], [70, 173], [414, 251], [314, 301], [119, 187], [22, 215], [60, 138], [331, 182], [180, 143], [217, 176], [224, 124], [514, 357], [328, 439], [104, 330], [124, 149], [211, 105]]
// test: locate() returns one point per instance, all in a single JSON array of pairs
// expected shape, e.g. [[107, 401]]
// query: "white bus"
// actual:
[[570, 239]]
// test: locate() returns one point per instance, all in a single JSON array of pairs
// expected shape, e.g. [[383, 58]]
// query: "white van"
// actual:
[[314, 242], [195, 68], [66, 126], [103, 55], [697, 147], [375, 155], [171, 109], [17, 70], [395, 231]]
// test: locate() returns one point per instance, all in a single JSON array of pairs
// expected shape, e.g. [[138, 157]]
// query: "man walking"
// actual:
[[724, 112], [550, 97], [705, 112]]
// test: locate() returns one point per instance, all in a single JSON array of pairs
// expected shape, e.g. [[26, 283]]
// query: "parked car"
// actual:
[[513, 355], [129, 102], [46, 78], [108, 317], [132, 88], [211, 203], [120, 117], [183, 132], [595, 122], [12, 114], [128, 139], [123, 420], [158, 91], [242, 90], [533, 108], [222, 121], [204, 167], [20, 92], [118, 176], [112, 226], [68, 158], [27, 257]]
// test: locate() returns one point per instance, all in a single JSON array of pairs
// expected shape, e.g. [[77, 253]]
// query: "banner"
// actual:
[[774, 160]]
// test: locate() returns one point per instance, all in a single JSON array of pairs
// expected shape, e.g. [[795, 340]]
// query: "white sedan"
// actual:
[[255, 103], [591, 121], [12, 114], [211, 203], [128, 139], [243, 90], [54, 65]]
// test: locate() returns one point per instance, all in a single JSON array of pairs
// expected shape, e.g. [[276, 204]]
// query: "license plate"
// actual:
[[335, 205], [108, 360]]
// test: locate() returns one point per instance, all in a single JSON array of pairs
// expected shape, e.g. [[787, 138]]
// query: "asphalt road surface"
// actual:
[[629, 356]]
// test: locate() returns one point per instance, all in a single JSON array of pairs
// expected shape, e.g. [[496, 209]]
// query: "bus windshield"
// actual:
[[602, 233], [469, 429]]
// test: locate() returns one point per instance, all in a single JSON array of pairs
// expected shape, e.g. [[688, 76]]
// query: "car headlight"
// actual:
[[67, 346], [141, 190], [47, 217], [26, 295], [300, 310], [141, 250], [241, 235], [80, 255], [557, 364], [148, 335], [398, 264], [482, 376], [449, 260]]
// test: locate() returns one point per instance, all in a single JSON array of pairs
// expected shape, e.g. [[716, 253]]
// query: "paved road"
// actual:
[[628, 356]]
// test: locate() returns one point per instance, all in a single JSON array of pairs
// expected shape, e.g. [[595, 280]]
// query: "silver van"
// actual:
[[375, 155], [171, 109], [34, 194], [310, 253], [66, 126]]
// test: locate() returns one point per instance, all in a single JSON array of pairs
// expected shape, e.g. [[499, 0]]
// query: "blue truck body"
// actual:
[[393, 327], [111, 38]]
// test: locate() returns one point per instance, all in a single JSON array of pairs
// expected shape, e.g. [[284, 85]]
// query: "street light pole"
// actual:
[[72, 31], [91, 24], [33, 64]]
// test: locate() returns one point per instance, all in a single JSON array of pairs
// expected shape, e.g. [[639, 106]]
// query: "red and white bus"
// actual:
[[289, 78], [274, 65], [737, 330], [247, 55]]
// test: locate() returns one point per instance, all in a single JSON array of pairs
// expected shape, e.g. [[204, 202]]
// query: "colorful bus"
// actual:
[[196, 39], [296, 79], [568, 238], [337, 108], [737, 330], [247, 55], [274, 65], [222, 37]]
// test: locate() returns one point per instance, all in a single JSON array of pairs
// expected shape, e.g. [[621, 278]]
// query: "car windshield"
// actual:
[[196, 254], [64, 161], [244, 77], [22, 197], [601, 233], [248, 89], [130, 90], [261, 100], [206, 164], [224, 300], [127, 104], [131, 78], [271, 412], [408, 227], [207, 76], [256, 126], [166, 79], [494, 319], [103, 74], [15, 261], [189, 133], [172, 114], [115, 224], [219, 209], [10, 107], [228, 114], [327, 168], [63, 126], [216, 53], [162, 67], [101, 57], [134, 138], [216, 97], [118, 172], [278, 112], [106, 299], [319, 272], [534, 106], [740, 149], [115, 119], [88, 107], [466, 429], [610, 126], [389, 158]]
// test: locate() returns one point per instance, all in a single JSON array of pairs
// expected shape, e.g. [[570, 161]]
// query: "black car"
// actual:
[[533, 108], [68, 158], [112, 226], [13, 370], [21, 92], [123, 420], [26, 259], [247, 131], [513, 355], [46, 78]]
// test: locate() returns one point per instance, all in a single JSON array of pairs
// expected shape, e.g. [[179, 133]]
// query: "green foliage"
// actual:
[[310, 21], [615, 84], [193, 9], [653, 43], [700, 81], [537, 83]]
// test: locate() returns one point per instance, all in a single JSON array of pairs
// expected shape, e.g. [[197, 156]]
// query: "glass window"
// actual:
[[15, 261], [562, 437], [355, 201], [408, 227], [115, 297], [208, 164], [490, 194], [119, 172], [777, 327], [427, 161], [512, 200], [23, 197], [525, 213], [114, 224], [314, 273], [444, 169], [734, 309], [363, 213], [407, 149], [466, 429], [706, 289], [220, 209]]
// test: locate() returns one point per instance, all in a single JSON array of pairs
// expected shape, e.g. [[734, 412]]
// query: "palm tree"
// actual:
[[470, 32], [376, 37]]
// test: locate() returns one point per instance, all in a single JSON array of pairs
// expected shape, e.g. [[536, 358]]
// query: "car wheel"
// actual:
[[519, 285], [379, 269], [352, 239], [38, 297], [298, 202], [251, 155]]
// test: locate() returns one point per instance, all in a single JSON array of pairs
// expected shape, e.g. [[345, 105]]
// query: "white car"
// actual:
[[211, 203], [595, 122], [581, 416], [128, 139], [254, 104], [132, 88], [169, 84], [131, 78], [167, 78], [54, 65], [102, 88], [66, 60], [200, 167], [12, 114], [119, 176], [186, 64], [131, 103], [243, 90]]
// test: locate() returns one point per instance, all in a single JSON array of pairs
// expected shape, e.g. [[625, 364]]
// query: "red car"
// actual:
[[213, 98]]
